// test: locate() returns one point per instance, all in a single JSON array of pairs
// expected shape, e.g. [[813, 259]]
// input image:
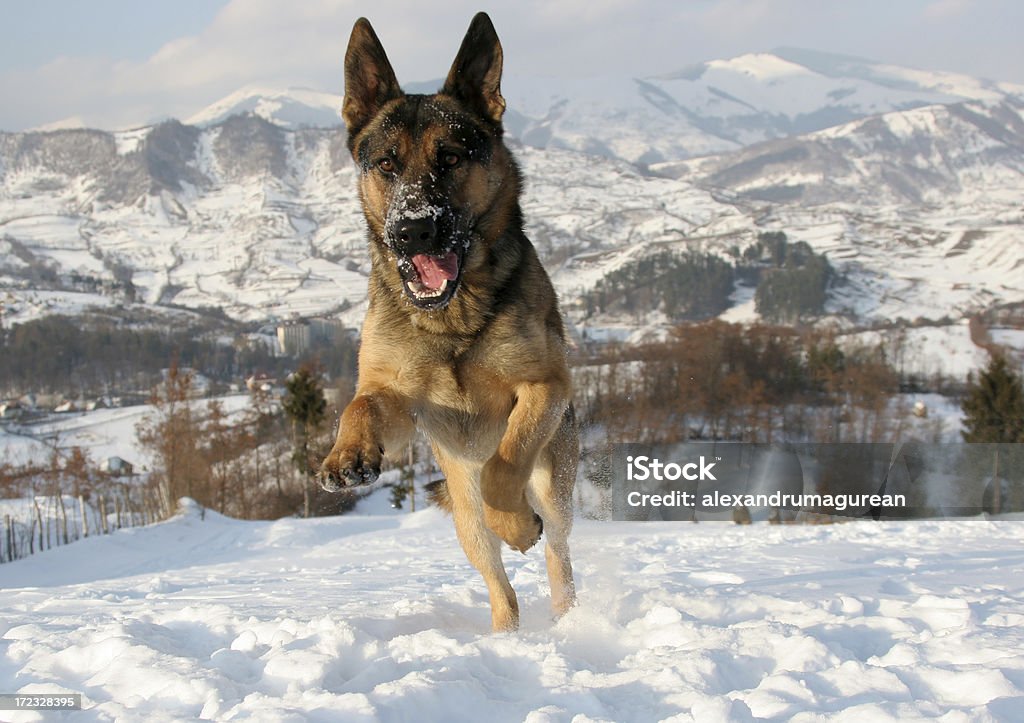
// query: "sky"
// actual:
[[124, 63]]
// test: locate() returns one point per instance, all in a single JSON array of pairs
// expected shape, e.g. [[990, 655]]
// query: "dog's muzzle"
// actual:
[[430, 268]]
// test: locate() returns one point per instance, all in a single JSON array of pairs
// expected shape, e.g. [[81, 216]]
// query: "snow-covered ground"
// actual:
[[380, 617]]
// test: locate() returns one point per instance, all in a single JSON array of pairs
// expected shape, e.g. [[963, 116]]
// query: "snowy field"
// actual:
[[379, 617], [101, 433]]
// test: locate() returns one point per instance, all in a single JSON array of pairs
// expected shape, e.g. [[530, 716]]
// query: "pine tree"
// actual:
[[994, 405], [305, 405], [994, 413]]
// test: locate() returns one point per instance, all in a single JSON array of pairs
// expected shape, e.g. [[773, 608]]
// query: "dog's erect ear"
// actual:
[[475, 77], [369, 79]]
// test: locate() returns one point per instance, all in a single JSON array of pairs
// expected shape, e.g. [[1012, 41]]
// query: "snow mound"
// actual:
[[369, 618]]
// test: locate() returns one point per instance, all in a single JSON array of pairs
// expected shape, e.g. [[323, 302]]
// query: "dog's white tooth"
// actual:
[[421, 292]]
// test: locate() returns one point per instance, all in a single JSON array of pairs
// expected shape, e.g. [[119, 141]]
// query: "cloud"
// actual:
[[280, 43], [274, 43], [250, 41], [946, 9]]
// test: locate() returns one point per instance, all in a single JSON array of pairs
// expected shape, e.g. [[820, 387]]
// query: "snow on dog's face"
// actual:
[[425, 184], [435, 176]]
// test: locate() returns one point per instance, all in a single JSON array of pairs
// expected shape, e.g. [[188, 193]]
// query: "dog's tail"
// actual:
[[437, 494]]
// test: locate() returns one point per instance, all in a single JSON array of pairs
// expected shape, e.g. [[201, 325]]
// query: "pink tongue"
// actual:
[[434, 270]]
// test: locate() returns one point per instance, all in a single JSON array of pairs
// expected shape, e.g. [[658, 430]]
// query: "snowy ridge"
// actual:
[[717, 106], [289, 108], [917, 209], [381, 618]]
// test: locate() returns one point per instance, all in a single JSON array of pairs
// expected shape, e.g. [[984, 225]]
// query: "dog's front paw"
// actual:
[[520, 530], [506, 510], [350, 468], [504, 485]]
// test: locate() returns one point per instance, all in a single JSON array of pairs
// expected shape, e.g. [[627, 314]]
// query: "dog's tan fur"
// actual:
[[484, 377]]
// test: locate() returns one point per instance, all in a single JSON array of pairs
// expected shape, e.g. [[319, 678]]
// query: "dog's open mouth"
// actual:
[[431, 281]]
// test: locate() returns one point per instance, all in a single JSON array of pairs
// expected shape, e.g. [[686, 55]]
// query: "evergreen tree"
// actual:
[[305, 405], [994, 405], [994, 413]]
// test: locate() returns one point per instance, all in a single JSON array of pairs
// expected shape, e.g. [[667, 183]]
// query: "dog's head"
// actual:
[[436, 180]]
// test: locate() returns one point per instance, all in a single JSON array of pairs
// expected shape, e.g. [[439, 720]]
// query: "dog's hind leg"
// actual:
[[550, 493], [481, 545]]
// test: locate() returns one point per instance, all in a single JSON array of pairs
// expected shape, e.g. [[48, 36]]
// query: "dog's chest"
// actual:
[[460, 402]]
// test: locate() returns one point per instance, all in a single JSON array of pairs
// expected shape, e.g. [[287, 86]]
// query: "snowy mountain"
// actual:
[[292, 108], [724, 105], [924, 157], [712, 107], [917, 210], [255, 219], [926, 201]]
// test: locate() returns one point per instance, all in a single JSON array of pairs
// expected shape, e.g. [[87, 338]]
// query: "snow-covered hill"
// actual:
[[262, 222], [288, 108], [717, 106], [918, 210], [369, 618], [921, 207], [961, 154]]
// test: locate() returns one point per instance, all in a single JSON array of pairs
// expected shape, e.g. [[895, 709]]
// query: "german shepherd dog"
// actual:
[[462, 337]]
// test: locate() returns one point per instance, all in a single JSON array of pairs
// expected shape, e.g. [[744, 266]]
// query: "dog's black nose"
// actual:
[[416, 231]]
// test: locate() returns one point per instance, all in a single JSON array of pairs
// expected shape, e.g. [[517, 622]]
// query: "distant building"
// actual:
[[40, 401], [118, 467], [260, 383], [11, 410], [296, 337]]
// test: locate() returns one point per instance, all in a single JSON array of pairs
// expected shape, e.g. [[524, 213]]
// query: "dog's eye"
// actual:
[[450, 159], [386, 165]]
